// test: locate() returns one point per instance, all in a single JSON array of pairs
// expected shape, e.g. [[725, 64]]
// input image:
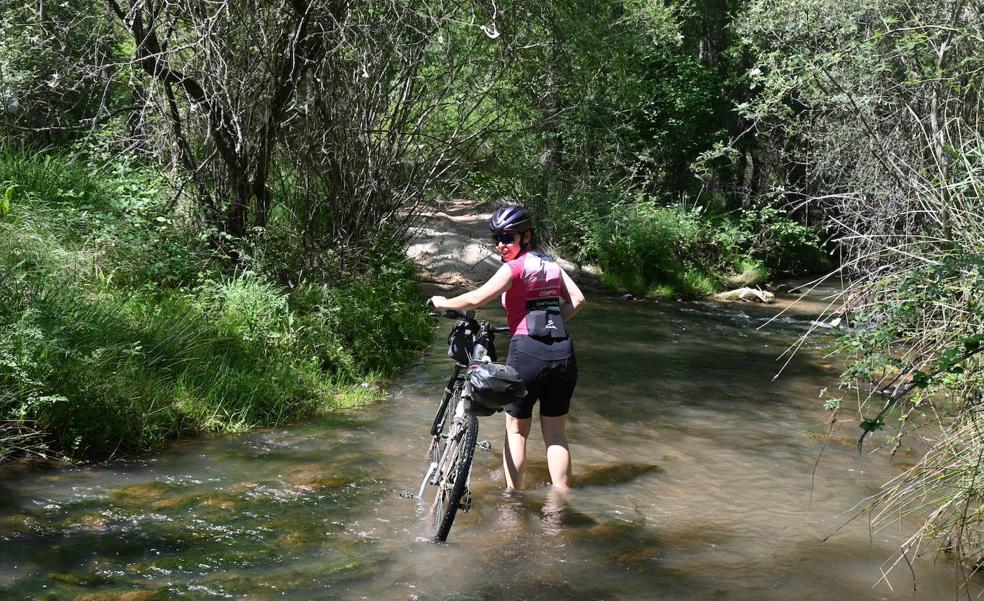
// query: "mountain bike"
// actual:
[[454, 431]]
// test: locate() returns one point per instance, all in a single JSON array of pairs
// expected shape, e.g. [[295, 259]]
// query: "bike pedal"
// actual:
[[406, 494], [465, 503], [485, 445]]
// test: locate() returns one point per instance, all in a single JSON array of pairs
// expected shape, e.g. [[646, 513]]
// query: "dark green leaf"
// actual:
[[869, 425], [973, 344], [920, 379], [949, 359]]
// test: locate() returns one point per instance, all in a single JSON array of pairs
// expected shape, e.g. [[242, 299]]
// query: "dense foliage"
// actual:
[[874, 111], [118, 331], [614, 111]]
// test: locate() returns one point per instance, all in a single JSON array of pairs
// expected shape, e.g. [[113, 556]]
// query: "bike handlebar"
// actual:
[[467, 315], [453, 314]]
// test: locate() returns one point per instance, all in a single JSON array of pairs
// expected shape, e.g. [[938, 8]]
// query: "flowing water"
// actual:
[[694, 479]]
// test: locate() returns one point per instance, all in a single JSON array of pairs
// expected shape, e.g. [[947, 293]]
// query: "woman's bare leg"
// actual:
[[558, 455], [514, 450]]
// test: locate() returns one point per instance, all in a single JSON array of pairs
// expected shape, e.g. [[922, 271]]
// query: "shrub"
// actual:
[[782, 244], [249, 307], [647, 249], [102, 372], [100, 357], [571, 222], [367, 324]]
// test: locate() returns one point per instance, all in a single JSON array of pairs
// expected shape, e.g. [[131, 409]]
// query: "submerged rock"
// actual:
[[142, 495], [616, 473], [746, 294], [220, 500], [636, 557], [80, 578], [18, 524], [301, 538], [121, 596], [92, 522]]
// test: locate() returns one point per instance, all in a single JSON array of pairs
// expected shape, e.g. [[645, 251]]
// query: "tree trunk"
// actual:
[[713, 32]]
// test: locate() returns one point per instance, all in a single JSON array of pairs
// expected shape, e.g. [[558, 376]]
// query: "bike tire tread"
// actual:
[[461, 469]]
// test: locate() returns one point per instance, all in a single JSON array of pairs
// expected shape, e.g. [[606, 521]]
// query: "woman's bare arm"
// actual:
[[497, 284], [575, 301]]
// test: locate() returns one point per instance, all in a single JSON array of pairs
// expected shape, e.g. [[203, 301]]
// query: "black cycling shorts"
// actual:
[[549, 371]]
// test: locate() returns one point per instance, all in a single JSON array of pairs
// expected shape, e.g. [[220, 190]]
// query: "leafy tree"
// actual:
[[57, 62], [872, 112], [325, 120]]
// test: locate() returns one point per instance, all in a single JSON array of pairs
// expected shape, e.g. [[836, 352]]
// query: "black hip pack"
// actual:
[[543, 319]]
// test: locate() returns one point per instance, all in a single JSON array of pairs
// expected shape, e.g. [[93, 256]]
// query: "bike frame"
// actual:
[[443, 467]]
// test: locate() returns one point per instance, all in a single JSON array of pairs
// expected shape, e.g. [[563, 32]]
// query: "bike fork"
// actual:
[[423, 483]]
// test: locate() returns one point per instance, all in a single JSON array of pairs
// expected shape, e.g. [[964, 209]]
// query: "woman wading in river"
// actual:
[[539, 298]]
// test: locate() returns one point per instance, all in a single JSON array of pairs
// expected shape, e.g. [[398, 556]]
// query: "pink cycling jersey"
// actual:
[[535, 276]]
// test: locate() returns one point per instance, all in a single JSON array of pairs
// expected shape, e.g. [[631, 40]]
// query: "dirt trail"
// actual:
[[453, 248]]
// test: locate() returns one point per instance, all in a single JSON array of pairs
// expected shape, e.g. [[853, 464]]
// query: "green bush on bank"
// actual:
[[650, 249], [118, 332], [659, 250], [781, 244], [368, 325]]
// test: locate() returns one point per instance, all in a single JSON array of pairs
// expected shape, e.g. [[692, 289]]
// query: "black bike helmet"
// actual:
[[511, 218]]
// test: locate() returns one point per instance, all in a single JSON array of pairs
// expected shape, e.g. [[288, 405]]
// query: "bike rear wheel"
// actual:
[[454, 486]]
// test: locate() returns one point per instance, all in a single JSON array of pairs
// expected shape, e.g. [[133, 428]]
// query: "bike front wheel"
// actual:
[[453, 487]]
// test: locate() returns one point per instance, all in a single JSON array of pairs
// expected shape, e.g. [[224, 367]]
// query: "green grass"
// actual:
[[119, 332], [747, 272], [103, 373], [661, 251]]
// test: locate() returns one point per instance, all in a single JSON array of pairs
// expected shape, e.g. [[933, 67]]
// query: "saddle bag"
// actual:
[[492, 386]]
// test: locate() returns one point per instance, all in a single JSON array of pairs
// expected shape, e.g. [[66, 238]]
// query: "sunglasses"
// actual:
[[504, 238]]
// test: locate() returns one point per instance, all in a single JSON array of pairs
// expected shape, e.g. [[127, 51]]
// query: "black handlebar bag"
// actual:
[[461, 339]]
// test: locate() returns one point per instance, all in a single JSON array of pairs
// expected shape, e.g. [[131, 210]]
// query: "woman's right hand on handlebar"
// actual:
[[437, 303], [438, 306]]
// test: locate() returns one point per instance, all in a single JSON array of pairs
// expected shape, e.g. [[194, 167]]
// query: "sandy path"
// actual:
[[455, 252]]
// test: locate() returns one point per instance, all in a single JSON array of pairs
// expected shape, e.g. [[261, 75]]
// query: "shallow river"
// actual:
[[693, 480]]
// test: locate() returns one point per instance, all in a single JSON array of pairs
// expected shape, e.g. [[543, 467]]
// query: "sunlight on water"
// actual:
[[694, 479]]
